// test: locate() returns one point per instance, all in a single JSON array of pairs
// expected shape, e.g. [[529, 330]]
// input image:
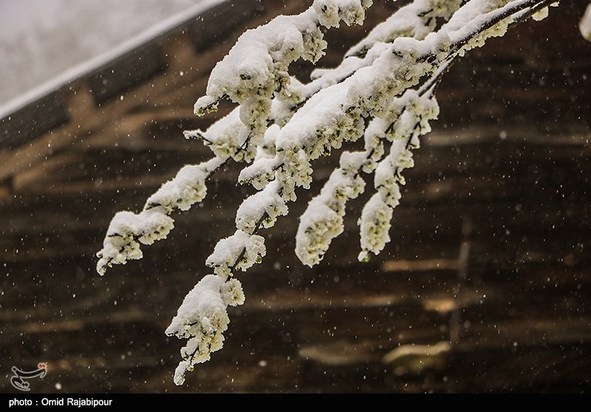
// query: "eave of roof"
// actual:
[[165, 27]]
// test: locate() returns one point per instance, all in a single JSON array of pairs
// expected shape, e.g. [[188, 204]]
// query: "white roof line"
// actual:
[[90, 65]]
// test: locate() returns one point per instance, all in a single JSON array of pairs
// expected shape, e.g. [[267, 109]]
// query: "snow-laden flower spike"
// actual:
[[202, 319]]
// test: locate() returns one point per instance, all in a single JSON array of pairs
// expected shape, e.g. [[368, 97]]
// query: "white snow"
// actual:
[[185, 189], [585, 24], [261, 208], [126, 231], [224, 137], [319, 224], [374, 226], [202, 319], [408, 21], [331, 12], [239, 251], [248, 66]]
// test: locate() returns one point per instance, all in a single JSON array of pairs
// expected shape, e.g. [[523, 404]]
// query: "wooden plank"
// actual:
[[42, 172], [496, 226], [26, 124], [229, 15]]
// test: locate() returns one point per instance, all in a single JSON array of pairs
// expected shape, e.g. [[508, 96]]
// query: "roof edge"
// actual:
[[88, 67]]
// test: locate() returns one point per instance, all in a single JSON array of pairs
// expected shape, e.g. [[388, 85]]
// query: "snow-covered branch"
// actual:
[[202, 319], [383, 91], [252, 73]]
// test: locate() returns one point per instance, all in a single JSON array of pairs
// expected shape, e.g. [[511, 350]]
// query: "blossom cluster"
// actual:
[[238, 251], [415, 112], [202, 319], [128, 230], [323, 219], [125, 233]]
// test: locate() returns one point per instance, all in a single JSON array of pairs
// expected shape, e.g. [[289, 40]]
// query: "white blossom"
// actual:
[[416, 19], [239, 251], [323, 219], [318, 226], [226, 137], [332, 12], [374, 226], [257, 64], [386, 181], [202, 319], [232, 293], [125, 233], [262, 208], [262, 170], [185, 189], [260, 173]]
